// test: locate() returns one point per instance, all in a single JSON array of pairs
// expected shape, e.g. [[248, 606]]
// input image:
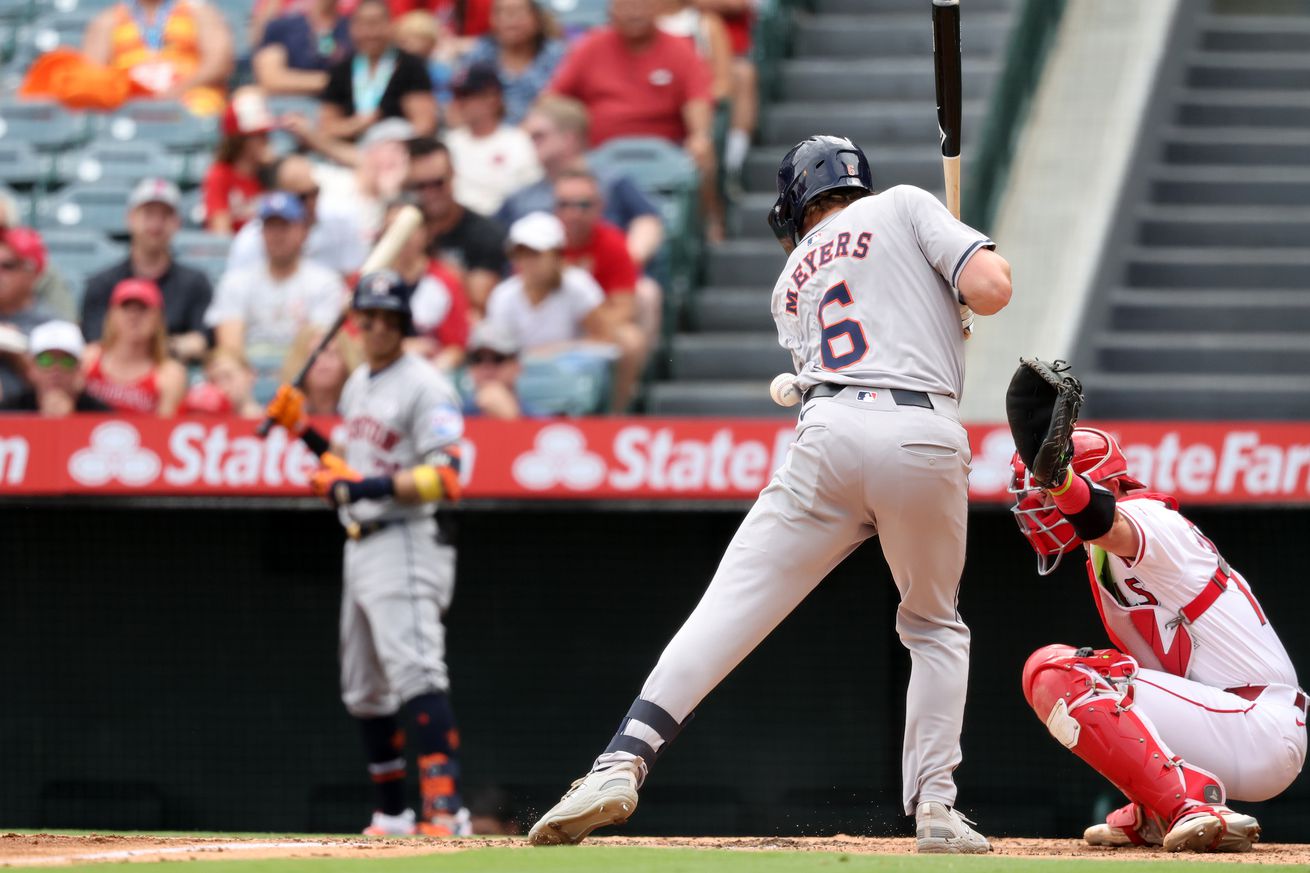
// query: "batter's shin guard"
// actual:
[[438, 766], [1085, 698], [645, 733], [384, 744]]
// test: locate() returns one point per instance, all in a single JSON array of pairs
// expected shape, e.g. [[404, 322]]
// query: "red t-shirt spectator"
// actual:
[[454, 328], [629, 94], [606, 258], [227, 190]]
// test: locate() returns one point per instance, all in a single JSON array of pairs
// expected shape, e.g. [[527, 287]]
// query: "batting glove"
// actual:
[[287, 408]]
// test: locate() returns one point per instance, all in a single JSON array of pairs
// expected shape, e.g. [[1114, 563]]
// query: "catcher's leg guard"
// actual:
[[1085, 698]]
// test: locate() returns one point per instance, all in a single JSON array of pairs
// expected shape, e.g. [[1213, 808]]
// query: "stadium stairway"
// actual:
[[858, 68], [1202, 308]]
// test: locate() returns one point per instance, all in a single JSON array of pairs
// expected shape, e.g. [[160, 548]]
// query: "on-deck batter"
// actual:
[[1198, 700], [868, 307], [402, 423]]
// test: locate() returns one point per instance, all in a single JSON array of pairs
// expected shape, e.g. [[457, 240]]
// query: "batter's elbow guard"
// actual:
[[1095, 519]]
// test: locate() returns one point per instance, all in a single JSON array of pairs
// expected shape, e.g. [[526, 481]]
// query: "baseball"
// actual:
[[783, 390]]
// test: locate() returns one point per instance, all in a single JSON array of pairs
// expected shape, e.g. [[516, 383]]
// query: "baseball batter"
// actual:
[[1197, 701], [402, 423], [868, 307]]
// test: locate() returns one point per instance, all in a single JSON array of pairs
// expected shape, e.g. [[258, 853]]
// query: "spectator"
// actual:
[[423, 36], [546, 305], [297, 50], [228, 389], [51, 289], [172, 49], [152, 222], [327, 377], [130, 370], [494, 159], [54, 370], [465, 18], [599, 248], [376, 81], [22, 261], [493, 373], [473, 245], [636, 80], [524, 47], [259, 310], [557, 127], [336, 239], [438, 307], [232, 186], [739, 19], [364, 177]]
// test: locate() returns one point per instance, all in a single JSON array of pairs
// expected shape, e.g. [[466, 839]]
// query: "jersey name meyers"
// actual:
[[870, 296]]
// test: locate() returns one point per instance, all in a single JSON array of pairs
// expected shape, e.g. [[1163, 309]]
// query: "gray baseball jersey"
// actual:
[[398, 580], [866, 299], [869, 297]]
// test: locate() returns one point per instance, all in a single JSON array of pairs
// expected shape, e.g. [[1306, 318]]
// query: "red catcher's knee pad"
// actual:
[[1085, 699]]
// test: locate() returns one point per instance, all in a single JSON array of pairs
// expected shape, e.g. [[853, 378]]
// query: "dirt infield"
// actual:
[[46, 850]]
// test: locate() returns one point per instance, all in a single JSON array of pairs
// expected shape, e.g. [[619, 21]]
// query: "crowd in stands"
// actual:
[[538, 262]]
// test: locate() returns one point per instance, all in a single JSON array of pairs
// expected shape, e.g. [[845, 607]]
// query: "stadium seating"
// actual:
[[79, 253], [20, 164], [206, 252], [167, 123], [46, 126], [115, 162], [89, 206]]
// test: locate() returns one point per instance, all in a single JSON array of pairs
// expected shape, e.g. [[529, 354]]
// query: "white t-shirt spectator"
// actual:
[[273, 311], [556, 319], [489, 169]]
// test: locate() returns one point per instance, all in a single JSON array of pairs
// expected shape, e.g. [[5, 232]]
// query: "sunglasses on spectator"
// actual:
[[436, 183], [308, 195], [46, 360], [582, 205], [488, 357], [12, 266]]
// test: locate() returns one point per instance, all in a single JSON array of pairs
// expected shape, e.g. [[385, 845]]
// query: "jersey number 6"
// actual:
[[849, 328]]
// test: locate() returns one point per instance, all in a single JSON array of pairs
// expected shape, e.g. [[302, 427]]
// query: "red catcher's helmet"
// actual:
[[1097, 456]]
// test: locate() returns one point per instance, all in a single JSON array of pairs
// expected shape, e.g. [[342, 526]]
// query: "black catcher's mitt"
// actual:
[[1042, 405]]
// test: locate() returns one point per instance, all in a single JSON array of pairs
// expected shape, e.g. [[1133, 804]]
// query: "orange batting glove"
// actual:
[[287, 408], [325, 478]]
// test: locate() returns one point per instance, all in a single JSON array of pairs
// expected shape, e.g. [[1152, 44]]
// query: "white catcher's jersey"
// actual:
[[869, 297], [1231, 644], [396, 419]]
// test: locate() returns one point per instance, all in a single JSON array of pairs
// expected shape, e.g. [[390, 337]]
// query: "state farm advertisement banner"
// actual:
[[603, 458]]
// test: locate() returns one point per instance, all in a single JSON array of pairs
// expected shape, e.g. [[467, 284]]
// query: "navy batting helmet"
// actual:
[[384, 290], [813, 167]]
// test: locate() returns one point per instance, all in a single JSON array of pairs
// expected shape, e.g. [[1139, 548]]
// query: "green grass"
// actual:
[[603, 859]]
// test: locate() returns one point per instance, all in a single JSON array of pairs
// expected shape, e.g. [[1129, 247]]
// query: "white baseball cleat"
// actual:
[[602, 797], [384, 825], [1127, 826], [942, 830], [1213, 829]]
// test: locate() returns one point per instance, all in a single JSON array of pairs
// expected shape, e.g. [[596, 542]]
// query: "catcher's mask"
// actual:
[[1097, 456]]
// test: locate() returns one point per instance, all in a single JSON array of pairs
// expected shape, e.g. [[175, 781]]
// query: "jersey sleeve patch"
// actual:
[[444, 424]]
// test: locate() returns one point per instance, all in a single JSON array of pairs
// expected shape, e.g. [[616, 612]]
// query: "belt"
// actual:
[[362, 530], [900, 395], [1251, 692]]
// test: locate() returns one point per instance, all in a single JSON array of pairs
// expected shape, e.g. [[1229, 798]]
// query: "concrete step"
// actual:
[[1197, 352], [748, 262], [904, 6], [748, 216], [1183, 310], [1263, 69], [747, 399], [1238, 107], [1196, 397], [731, 310], [916, 165], [889, 124], [893, 35], [830, 79], [1219, 185], [1255, 33], [1262, 227], [1243, 146], [727, 356], [1211, 267]]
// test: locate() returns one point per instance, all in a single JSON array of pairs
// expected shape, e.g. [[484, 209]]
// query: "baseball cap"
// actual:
[[140, 290], [388, 130], [56, 336], [476, 78], [495, 337], [155, 190], [247, 113], [282, 205], [539, 231], [27, 244]]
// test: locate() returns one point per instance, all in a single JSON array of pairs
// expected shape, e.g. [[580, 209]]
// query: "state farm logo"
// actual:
[[115, 453], [559, 457]]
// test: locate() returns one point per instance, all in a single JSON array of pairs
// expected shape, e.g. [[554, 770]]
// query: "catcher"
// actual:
[[1197, 700]]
